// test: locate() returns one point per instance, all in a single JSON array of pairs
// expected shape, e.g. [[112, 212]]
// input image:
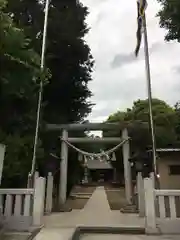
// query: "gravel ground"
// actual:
[[80, 202], [116, 198]]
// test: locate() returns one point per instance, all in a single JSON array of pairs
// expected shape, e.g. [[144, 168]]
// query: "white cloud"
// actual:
[[119, 78]]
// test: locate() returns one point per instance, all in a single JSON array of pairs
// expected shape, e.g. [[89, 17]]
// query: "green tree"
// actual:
[[164, 118], [68, 57], [19, 82], [137, 120], [170, 18]]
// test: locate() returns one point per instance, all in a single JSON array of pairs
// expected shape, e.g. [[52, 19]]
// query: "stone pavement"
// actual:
[[127, 237], [55, 234], [96, 213]]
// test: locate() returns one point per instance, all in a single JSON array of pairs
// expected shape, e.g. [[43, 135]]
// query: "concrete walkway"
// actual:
[[128, 237], [95, 213], [98, 202], [61, 226]]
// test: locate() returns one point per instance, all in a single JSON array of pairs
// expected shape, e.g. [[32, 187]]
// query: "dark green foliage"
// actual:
[[69, 63], [170, 18], [166, 123], [137, 120], [68, 56], [19, 76]]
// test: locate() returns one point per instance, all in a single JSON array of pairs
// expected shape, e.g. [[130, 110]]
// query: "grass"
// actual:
[[116, 198], [79, 202]]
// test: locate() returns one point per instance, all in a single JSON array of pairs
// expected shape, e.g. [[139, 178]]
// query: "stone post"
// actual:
[[49, 193], [140, 190], [36, 176], [29, 180], [153, 179], [38, 206], [127, 167], [2, 153], [150, 213], [63, 169]]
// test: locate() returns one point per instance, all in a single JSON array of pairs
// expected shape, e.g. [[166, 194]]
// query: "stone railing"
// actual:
[[23, 208], [162, 209]]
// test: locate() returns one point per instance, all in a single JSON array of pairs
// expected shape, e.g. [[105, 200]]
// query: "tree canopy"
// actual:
[[69, 64], [19, 80], [137, 120], [67, 56], [170, 18]]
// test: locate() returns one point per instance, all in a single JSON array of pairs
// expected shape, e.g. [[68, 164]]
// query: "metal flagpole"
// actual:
[[41, 87], [148, 76]]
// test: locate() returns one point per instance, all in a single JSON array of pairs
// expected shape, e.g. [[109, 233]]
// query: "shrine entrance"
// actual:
[[102, 173]]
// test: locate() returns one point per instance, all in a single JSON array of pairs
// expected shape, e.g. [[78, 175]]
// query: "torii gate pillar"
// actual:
[[127, 167], [63, 169]]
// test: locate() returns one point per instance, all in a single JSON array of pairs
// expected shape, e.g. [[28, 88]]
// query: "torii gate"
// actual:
[[64, 128]]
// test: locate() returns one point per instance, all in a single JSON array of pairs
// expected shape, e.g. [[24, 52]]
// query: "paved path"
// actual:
[[128, 237], [98, 202], [95, 213]]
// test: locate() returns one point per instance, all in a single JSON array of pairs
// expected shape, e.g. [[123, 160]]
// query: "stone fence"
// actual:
[[162, 209], [23, 208]]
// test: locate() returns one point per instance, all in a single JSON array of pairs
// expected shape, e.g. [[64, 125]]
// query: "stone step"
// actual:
[[16, 236], [72, 194], [106, 230], [129, 209], [84, 196], [29, 235]]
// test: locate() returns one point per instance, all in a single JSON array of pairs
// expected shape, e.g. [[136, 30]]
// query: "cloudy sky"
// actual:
[[119, 78]]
